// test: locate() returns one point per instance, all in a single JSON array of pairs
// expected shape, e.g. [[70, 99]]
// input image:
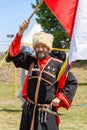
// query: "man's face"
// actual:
[[41, 51]]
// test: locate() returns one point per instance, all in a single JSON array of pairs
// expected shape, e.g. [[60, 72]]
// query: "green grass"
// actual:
[[76, 117], [73, 119], [10, 108]]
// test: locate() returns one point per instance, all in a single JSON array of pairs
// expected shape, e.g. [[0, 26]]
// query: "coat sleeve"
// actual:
[[22, 60], [17, 55], [15, 46], [67, 94]]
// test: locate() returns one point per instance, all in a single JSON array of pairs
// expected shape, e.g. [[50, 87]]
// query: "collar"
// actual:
[[42, 62]]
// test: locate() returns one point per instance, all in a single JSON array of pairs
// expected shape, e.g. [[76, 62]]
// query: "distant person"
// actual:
[[58, 54], [43, 94]]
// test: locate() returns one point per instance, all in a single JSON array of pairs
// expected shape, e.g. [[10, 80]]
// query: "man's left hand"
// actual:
[[55, 102]]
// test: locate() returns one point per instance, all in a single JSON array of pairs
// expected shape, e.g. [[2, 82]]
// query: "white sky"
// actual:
[[12, 13]]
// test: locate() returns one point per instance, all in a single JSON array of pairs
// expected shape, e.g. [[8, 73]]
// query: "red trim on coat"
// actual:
[[15, 46], [57, 120], [65, 102], [24, 91]]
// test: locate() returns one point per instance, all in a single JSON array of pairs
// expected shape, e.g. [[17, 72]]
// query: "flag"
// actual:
[[65, 11], [78, 45], [62, 76]]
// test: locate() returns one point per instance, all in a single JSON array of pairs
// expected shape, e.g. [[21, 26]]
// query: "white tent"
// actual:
[[28, 38]]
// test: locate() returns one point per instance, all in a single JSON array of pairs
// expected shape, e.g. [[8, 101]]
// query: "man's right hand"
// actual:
[[23, 26]]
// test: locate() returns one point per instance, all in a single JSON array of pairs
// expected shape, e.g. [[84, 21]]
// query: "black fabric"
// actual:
[[70, 86], [22, 60], [46, 91], [50, 123]]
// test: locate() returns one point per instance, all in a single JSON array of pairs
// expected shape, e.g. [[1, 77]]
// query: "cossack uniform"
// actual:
[[40, 88]]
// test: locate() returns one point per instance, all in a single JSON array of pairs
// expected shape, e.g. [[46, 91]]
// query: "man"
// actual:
[[42, 93], [58, 54]]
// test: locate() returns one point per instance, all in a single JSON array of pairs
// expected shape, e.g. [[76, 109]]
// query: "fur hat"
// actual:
[[44, 38]]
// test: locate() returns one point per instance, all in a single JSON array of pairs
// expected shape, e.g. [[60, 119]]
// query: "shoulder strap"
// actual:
[[30, 68], [24, 91]]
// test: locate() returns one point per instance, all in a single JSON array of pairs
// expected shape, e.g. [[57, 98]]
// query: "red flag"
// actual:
[[65, 11]]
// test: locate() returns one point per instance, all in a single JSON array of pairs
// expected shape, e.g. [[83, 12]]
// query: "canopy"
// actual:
[[28, 39]]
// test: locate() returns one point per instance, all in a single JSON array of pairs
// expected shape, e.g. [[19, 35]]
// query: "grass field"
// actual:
[[10, 106], [73, 119], [76, 117]]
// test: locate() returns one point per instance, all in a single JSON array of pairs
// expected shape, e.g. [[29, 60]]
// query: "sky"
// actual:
[[12, 14]]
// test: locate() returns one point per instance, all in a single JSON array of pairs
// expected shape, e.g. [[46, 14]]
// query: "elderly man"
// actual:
[[43, 95]]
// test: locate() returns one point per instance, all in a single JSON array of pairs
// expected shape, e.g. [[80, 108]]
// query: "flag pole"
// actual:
[[35, 10]]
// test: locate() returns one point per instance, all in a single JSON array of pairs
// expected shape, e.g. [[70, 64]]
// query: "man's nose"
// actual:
[[40, 48]]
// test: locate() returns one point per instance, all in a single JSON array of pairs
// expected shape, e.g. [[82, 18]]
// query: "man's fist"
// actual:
[[23, 26]]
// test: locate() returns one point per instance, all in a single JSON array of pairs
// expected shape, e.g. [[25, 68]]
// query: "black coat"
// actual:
[[41, 90]]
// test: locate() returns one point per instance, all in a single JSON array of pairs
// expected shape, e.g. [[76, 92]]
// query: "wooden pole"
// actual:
[[3, 59], [35, 10]]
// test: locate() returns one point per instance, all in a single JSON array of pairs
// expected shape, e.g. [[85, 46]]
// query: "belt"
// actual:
[[38, 104], [43, 107]]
